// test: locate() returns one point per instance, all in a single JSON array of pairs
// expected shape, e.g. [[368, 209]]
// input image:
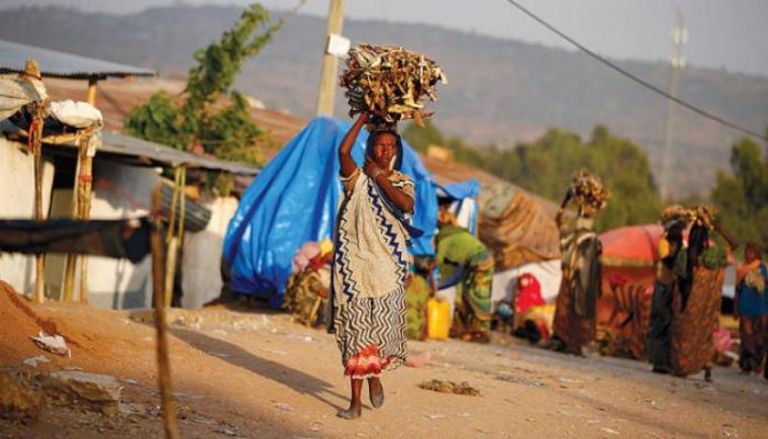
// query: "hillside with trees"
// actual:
[[500, 91]]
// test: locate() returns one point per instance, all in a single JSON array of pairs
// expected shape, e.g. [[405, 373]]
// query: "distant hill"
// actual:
[[499, 92]]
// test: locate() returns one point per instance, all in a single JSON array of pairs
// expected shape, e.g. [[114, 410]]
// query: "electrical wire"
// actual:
[[635, 78]]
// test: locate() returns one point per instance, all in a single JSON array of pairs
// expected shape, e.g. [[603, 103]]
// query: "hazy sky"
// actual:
[[722, 33]]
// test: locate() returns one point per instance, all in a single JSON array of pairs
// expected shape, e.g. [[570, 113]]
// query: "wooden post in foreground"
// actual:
[[87, 149], [163, 362], [71, 260], [36, 134]]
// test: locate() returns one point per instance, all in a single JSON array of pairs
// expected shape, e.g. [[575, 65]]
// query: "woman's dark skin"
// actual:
[[377, 168]]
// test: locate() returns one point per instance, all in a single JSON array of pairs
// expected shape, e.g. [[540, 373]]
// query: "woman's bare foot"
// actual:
[[355, 406], [376, 392], [353, 412]]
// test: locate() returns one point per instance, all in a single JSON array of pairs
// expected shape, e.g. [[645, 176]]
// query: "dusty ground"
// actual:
[[259, 376]]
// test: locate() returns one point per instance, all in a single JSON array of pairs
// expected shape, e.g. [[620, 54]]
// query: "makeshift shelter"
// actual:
[[463, 197], [125, 170], [13, 57], [517, 228], [294, 200]]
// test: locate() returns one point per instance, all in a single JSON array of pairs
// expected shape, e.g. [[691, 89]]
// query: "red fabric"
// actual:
[[528, 293], [366, 363], [320, 261]]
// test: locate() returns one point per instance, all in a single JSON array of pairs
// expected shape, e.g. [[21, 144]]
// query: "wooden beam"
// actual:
[[36, 133], [328, 79], [90, 95], [170, 424], [87, 150]]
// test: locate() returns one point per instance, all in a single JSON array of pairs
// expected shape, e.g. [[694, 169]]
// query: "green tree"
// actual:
[[546, 166], [742, 198], [210, 113]]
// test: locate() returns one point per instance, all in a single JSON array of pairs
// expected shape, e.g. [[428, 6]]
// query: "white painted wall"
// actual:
[[17, 195], [201, 278], [117, 283]]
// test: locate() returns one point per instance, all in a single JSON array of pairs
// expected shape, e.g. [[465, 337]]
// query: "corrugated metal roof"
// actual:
[[120, 144], [63, 65]]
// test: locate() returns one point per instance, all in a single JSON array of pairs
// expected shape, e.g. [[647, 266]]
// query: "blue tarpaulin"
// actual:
[[464, 201], [294, 200], [459, 191]]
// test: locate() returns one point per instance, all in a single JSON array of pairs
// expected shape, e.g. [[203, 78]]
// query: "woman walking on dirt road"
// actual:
[[371, 263]]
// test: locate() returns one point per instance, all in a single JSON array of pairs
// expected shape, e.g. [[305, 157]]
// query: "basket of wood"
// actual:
[[390, 83]]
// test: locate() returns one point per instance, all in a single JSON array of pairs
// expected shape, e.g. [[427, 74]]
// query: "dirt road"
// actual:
[[260, 376]]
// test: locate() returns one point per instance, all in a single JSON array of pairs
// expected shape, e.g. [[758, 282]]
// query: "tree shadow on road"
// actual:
[[297, 380]]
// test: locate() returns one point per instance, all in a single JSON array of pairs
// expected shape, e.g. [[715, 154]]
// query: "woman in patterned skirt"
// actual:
[[576, 304], [371, 263], [696, 301]]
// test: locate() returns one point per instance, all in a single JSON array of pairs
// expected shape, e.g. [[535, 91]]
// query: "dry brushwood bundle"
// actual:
[[588, 192], [675, 214], [390, 83], [703, 216]]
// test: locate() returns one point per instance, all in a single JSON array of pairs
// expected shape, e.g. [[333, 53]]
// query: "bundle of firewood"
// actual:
[[590, 195], [389, 82], [703, 216]]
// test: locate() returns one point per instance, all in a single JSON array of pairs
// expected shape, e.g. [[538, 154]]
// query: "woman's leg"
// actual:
[[749, 342], [376, 392], [355, 406]]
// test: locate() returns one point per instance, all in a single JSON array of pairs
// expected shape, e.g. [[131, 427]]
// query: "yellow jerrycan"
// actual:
[[438, 319]]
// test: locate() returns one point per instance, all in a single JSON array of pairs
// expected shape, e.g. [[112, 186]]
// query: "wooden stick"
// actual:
[[69, 271], [163, 362], [84, 204], [37, 147], [170, 269], [90, 95]]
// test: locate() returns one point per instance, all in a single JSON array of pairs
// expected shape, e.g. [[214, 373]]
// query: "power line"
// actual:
[[635, 78]]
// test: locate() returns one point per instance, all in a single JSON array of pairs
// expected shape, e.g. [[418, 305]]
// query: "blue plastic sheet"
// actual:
[[460, 190], [294, 200]]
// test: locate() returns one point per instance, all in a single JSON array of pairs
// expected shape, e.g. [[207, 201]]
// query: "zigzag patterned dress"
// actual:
[[371, 264]]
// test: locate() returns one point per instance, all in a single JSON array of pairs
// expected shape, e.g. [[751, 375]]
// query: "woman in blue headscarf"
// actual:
[[371, 262]]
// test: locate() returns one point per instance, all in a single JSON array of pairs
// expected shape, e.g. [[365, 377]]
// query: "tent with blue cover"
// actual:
[[462, 197], [294, 201]]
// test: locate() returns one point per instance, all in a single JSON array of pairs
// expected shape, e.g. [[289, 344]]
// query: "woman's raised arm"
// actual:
[[348, 165]]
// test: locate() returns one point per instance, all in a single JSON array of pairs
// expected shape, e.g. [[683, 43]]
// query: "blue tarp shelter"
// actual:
[[463, 196], [294, 200]]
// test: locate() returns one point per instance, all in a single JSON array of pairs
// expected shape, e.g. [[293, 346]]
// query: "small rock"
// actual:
[[129, 381], [102, 391], [227, 432], [283, 406], [132, 409], [434, 416], [34, 361], [609, 430]]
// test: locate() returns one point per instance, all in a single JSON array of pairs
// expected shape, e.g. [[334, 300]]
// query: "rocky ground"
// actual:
[[258, 375]]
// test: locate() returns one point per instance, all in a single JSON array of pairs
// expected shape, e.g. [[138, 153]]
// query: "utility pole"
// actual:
[[326, 94], [677, 62]]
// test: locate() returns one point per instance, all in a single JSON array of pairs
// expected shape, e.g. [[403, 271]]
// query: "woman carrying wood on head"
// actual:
[[371, 263]]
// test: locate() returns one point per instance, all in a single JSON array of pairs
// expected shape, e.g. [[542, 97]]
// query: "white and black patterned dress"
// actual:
[[371, 264]]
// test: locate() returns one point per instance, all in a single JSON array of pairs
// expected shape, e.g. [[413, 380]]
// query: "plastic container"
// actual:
[[438, 319]]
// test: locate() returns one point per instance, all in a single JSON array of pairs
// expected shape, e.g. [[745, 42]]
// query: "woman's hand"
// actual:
[[371, 169]]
